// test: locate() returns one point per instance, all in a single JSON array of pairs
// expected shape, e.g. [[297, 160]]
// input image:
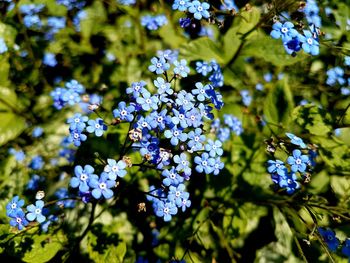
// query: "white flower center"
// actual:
[[103, 186], [83, 177], [38, 211], [14, 205]]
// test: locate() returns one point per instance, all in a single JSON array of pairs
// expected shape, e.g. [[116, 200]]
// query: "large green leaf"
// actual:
[[11, 126], [45, 247]]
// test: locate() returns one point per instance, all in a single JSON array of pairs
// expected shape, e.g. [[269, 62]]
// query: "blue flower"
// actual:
[[37, 162], [179, 118], [175, 134], [168, 54], [70, 97], [310, 45], [49, 59], [163, 86], [296, 140], [346, 248], [14, 205], [96, 126], [215, 97], [200, 91], [19, 155], [214, 148], [218, 166], [181, 68], [171, 177], [203, 68], [185, 100], [285, 31], [194, 118], [82, 177], [114, 169], [335, 75], [289, 182], [276, 167], [160, 119], [204, 163], [329, 238], [75, 86], [292, 45], [165, 210], [181, 5], [298, 162], [159, 65], [124, 112], [246, 98], [182, 164], [37, 132], [77, 122], [184, 22], [177, 194], [196, 139], [147, 101], [18, 219], [35, 212], [102, 186], [199, 9], [233, 123], [76, 137], [34, 181], [136, 88]]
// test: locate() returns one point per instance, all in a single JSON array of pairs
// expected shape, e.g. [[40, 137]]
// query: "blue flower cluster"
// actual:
[[31, 18], [71, 4], [223, 131], [333, 243], [89, 184], [298, 163], [153, 22], [198, 9], [339, 77], [165, 128], [293, 41], [20, 219], [69, 95]]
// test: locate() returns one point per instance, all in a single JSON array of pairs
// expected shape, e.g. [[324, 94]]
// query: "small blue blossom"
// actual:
[[175, 135], [49, 59], [124, 112], [185, 100], [165, 210], [296, 140], [147, 101], [35, 212], [171, 177], [184, 22], [77, 122], [204, 163], [76, 137], [114, 169], [214, 148], [289, 182], [200, 91], [218, 166], [96, 126], [102, 186], [246, 98], [136, 88], [346, 248], [36, 163], [180, 5], [179, 118], [310, 45], [14, 205], [199, 9], [19, 155], [82, 177], [181, 68], [153, 22], [203, 68], [168, 54], [329, 238], [196, 140], [177, 194], [182, 164], [276, 167], [75, 86], [159, 65], [285, 31], [34, 182], [18, 220], [298, 162]]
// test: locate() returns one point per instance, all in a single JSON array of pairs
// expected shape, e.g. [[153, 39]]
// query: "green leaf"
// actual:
[[11, 126], [45, 247], [202, 49], [313, 119], [340, 185]]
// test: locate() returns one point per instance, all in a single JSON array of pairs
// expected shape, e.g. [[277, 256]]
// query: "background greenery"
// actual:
[[235, 216]]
